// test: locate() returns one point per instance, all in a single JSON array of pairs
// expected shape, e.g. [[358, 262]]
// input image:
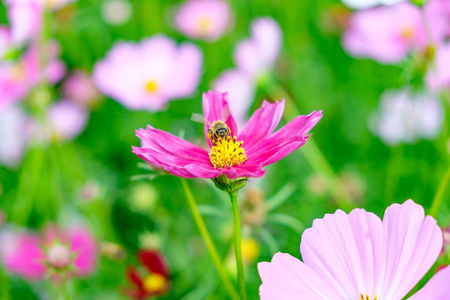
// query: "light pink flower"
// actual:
[[241, 91], [79, 87], [389, 33], [203, 19], [346, 256], [258, 54], [148, 74], [26, 254], [438, 77], [261, 146], [66, 119], [14, 135]]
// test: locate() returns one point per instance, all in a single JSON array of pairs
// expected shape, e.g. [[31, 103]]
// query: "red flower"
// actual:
[[155, 282]]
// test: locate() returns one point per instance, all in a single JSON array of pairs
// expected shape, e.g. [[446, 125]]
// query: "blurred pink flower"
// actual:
[[203, 19], [257, 55], [79, 87], [243, 154], [17, 78], [149, 74], [407, 117], [66, 119], [241, 91], [389, 33], [438, 77], [30, 255], [14, 135], [358, 256], [21, 254]]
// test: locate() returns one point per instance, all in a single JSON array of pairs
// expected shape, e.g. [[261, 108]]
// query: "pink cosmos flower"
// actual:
[[79, 87], [389, 33], [438, 77], [149, 74], [242, 154], [359, 256], [241, 91], [203, 19], [258, 54], [30, 255]]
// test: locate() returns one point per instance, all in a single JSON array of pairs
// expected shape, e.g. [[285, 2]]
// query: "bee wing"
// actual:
[[199, 118]]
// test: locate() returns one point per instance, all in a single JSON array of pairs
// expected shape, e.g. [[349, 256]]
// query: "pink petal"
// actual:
[[437, 288], [286, 277], [414, 241], [261, 123], [215, 108], [282, 142], [21, 254], [347, 251], [83, 243], [172, 153]]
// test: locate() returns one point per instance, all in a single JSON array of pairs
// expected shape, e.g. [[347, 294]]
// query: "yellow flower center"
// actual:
[[154, 283], [408, 33], [367, 297], [151, 86], [227, 152], [204, 25]]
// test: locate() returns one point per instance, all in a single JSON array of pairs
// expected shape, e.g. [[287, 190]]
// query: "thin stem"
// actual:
[[208, 241], [437, 200], [237, 245], [311, 151]]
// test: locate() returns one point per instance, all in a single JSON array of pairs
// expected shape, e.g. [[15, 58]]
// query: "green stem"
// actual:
[[437, 200], [208, 241], [311, 151], [237, 245]]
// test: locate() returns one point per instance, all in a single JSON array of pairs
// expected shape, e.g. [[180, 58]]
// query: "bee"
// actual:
[[217, 131]]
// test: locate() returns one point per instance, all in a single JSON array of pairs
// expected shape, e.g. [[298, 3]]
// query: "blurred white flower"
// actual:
[[14, 135], [116, 12], [362, 4], [407, 117]]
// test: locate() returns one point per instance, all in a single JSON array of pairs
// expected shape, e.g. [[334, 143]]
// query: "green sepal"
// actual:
[[229, 185]]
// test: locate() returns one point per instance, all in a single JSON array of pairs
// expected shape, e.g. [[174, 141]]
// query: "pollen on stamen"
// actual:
[[367, 297], [227, 152]]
